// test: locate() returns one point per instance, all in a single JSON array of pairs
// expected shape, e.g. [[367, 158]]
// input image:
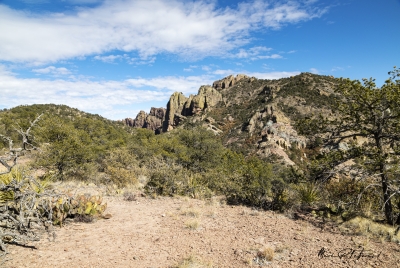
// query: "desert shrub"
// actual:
[[350, 197], [173, 179], [308, 193], [367, 227], [73, 148], [29, 208], [248, 181], [121, 167], [165, 179], [283, 196]]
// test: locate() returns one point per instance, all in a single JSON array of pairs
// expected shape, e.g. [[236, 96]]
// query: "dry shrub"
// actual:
[[192, 224], [191, 213], [367, 227], [266, 254], [349, 198]]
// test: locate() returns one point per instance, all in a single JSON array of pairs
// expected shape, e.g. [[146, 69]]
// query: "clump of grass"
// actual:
[[192, 262], [192, 224], [266, 254], [212, 214], [212, 201], [366, 227], [191, 213]]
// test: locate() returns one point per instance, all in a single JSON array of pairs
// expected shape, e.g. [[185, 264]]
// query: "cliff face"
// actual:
[[179, 107], [253, 116], [228, 81], [152, 121]]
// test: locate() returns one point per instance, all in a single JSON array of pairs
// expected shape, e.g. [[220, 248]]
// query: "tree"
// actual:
[[14, 153], [366, 127]]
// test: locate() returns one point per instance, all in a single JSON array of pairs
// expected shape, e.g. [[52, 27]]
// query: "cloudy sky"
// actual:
[[117, 57]]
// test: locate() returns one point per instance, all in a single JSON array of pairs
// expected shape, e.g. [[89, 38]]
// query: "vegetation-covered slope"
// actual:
[[253, 153]]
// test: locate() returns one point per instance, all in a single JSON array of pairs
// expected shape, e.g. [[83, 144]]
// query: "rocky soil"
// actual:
[[182, 232]]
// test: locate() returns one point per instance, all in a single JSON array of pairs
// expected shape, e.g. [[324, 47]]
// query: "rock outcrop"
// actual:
[[179, 106], [175, 105], [152, 121], [256, 116], [228, 81]]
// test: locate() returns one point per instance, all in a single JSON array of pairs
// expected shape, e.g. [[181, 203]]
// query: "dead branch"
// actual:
[[14, 153]]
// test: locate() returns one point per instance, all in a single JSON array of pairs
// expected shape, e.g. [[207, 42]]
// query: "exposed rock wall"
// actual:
[[175, 105], [152, 121], [179, 106], [228, 81]]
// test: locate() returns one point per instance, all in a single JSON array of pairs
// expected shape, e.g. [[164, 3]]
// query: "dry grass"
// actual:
[[191, 212], [251, 212], [212, 213], [193, 262], [265, 254], [192, 224], [366, 227]]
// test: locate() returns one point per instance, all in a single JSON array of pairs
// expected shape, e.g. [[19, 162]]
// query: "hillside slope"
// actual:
[[253, 116]]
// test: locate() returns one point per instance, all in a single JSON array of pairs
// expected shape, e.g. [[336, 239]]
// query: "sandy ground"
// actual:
[[163, 232]]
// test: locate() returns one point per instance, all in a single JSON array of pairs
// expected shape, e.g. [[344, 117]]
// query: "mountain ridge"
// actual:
[[253, 116]]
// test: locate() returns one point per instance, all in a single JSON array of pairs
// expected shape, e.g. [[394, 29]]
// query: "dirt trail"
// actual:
[[163, 232]]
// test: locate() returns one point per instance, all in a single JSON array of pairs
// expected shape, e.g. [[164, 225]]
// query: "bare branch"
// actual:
[[14, 153]]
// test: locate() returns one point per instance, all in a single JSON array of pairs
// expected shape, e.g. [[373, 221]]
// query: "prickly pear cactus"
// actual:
[[87, 205]]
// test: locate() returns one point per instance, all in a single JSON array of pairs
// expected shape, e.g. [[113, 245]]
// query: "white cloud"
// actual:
[[251, 53], [314, 71], [337, 68], [259, 75], [190, 69], [189, 29], [224, 72], [126, 58], [35, 1], [83, 2], [271, 75], [101, 97], [273, 56], [109, 58], [107, 97], [52, 70]]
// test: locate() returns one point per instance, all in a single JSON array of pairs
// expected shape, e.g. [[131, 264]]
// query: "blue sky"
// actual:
[[117, 57]]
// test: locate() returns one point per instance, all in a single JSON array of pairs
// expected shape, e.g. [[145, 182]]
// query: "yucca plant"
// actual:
[[308, 193]]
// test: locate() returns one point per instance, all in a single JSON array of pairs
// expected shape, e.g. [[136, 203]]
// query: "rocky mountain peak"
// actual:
[[228, 81], [253, 116]]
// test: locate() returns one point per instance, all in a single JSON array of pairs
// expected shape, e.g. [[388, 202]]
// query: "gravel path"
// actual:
[[163, 232]]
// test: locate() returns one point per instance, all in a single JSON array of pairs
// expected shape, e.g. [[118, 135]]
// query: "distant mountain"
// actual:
[[22, 115], [253, 116]]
